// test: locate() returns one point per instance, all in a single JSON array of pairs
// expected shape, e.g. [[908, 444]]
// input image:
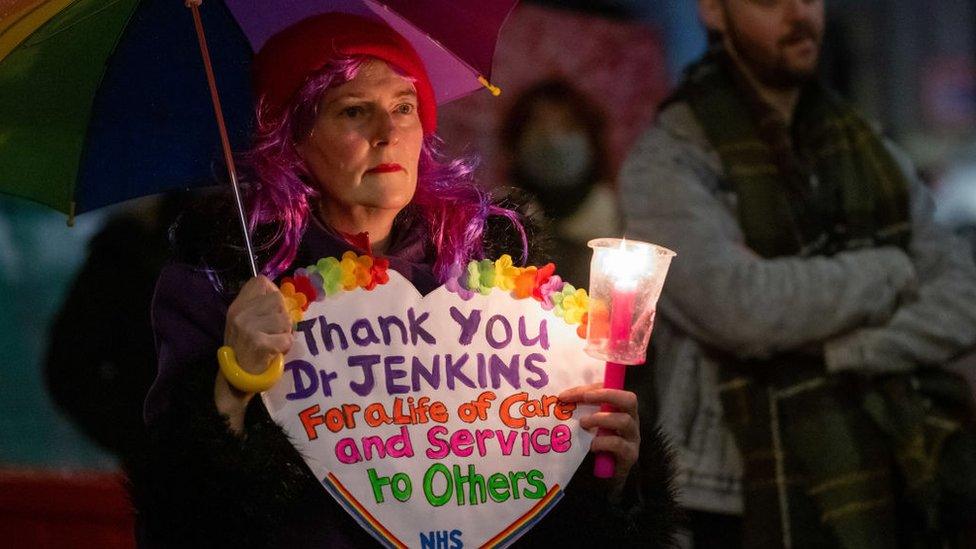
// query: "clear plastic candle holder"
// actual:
[[626, 277]]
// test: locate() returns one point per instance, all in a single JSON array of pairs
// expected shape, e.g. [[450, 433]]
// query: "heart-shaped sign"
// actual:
[[433, 419]]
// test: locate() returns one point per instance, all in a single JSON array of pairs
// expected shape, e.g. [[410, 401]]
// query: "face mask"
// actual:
[[556, 160]]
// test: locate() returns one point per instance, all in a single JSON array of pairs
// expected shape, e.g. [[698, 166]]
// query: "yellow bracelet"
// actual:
[[246, 381]]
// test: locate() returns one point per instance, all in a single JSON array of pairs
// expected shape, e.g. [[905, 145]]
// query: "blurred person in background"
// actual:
[[39, 256], [101, 358], [555, 149], [810, 308]]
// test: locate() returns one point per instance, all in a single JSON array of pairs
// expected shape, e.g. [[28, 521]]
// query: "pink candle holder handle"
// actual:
[[613, 378]]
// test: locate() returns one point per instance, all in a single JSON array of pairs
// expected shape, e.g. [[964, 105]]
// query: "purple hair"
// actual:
[[453, 209]]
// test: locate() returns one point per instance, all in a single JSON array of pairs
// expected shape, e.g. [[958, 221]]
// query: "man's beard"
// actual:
[[772, 69]]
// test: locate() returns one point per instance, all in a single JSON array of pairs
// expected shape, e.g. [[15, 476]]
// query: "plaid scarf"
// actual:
[[840, 460], [824, 185]]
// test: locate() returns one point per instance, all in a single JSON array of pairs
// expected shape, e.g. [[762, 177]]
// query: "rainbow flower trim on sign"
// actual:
[[328, 276]]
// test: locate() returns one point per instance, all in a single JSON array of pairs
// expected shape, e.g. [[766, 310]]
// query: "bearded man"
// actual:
[[811, 307]]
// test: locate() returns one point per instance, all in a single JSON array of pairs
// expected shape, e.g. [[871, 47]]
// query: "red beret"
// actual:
[[292, 55]]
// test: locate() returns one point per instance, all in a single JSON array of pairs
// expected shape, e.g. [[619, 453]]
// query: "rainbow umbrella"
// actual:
[[106, 100]]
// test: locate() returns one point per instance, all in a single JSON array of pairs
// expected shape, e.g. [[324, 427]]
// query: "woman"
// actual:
[[345, 146]]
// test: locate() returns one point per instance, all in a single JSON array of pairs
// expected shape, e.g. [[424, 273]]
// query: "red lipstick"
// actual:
[[385, 168]]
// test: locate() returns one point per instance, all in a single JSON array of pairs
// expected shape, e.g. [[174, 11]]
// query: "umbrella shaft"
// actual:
[[224, 140]]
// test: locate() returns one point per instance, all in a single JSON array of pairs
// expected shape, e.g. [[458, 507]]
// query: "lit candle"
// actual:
[[626, 275], [624, 267]]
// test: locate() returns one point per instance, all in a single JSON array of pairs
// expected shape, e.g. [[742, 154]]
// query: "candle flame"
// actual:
[[626, 266]]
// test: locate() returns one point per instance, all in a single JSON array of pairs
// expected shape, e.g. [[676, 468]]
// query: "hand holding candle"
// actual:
[[626, 278]]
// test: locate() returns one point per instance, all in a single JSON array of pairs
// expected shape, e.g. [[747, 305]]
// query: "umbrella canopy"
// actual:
[[101, 101]]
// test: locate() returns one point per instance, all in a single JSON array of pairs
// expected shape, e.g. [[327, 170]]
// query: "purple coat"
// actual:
[[188, 312]]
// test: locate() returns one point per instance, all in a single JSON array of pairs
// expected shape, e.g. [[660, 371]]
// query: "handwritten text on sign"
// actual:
[[429, 416]]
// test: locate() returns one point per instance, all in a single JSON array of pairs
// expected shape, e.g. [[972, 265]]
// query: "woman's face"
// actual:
[[364, 147]]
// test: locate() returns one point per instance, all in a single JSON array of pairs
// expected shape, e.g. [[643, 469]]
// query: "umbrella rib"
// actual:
[[32, 41], [9, 40], [482, 79]]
